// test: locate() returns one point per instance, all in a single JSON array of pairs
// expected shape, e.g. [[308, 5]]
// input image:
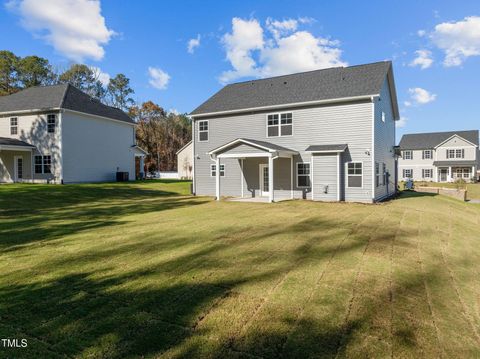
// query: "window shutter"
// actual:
[[423, 155], [463, 153], [447, 154]]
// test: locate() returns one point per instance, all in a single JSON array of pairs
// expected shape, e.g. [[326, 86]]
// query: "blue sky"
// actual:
[[434, 45]]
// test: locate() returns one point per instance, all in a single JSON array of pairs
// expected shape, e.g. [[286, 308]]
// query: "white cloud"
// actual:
[[459, 40], [246, 36], [75, 28], [420, 96], [192, 44], [407, 103], [174, 111], [421, 33], [101, 76], [158, 78], [282, 49], [423, 59], [402, 122]]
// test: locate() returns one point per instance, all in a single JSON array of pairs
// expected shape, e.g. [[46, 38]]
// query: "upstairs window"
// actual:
[[280, 124], [354, 174], [303, 174], [407, 155], [14, 126], [272, 126], [427, 154], [203, 131], [51, 123], [213, 170], [456, 153]]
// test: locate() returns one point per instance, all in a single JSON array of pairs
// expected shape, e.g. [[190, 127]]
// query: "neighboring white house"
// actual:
[[326, 135], [61, 135], [185, 161], [439, 156]]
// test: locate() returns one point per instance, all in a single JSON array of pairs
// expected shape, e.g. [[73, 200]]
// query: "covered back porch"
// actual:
[[16, 160], [266, 170]]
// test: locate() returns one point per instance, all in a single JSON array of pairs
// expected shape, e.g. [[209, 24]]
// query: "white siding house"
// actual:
[[185, 161], [61, 135], [439, 156]]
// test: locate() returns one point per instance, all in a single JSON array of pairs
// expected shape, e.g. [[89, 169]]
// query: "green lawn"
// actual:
[[473, 189], [143, 270]]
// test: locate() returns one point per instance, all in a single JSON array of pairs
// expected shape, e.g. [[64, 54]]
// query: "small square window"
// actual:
[[427, 154], [407, 155], [47, 162], [407, 173], [213, 170], [354, 174]]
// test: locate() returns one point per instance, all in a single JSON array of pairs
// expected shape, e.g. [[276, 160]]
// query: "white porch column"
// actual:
[[338, 177], [32, 165], [217, 178], [270, 179], [242, 176], [291, 176], [449, 177]]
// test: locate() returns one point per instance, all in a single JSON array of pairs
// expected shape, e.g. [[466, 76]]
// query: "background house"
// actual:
[[324, 135], [439, 156], [185, 161], [62, 135]]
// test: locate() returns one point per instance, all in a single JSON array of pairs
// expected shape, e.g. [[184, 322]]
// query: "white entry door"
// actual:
[[264, 190], [18, 168]]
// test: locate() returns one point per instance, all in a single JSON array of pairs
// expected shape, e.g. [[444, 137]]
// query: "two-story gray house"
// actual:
[[325, 135], [439, 156], [60, 134]]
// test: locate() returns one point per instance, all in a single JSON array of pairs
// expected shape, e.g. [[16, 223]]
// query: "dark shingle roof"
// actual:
[[326, 148], [59, 96], [419, 141], [13, 142], [326, 84]]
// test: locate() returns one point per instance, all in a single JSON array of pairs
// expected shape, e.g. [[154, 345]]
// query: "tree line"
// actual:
[[159, 132]]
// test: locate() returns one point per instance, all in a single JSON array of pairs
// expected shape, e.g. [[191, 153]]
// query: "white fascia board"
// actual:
[[245, 155], [16, 148], [20, 112], [287, 105]]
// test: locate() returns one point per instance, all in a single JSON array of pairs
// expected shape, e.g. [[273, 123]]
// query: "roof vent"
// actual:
[[284, 82]]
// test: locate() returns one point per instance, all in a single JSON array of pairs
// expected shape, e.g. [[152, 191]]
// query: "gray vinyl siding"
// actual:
[[385, 142], [454, 143], [94, 148], [349, 123], [324, 177]]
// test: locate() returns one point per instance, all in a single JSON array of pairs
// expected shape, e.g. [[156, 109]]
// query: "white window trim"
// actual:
[[214, 165], [43, 165], [12, 126], [424, 171], [207, 131], [346, 174], [55, 124], [407, 169], [309, 175], [431, 154], [405, 157], [279, 124]]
